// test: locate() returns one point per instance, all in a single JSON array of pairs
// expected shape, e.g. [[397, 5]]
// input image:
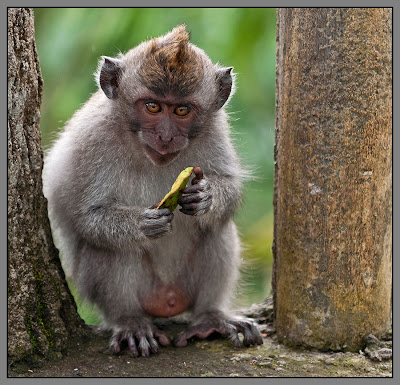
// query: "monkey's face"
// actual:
[[167, 89], [165, 125]]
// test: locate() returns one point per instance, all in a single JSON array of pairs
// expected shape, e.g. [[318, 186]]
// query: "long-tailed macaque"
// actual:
[[158, 110]]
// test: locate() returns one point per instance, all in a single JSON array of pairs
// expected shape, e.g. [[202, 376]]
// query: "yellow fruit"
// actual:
[[170, 201]]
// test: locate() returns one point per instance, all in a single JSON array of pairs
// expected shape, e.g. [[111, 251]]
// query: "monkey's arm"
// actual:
[[113, 225]]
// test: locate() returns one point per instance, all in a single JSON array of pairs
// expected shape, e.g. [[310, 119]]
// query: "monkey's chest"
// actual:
[[172, 253], [168, 264]]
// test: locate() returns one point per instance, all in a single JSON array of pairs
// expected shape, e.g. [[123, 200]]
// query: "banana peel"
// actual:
[[170, 201]]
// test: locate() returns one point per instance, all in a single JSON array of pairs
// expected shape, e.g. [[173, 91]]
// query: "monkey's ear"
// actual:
[[108, 76], [224, 84]]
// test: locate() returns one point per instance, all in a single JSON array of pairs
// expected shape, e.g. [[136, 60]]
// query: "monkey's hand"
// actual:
[[197, 198], [156, 223], [212, 322]]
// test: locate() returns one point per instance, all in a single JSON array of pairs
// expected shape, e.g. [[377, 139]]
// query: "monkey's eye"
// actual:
[[182, 110], [153, 107]]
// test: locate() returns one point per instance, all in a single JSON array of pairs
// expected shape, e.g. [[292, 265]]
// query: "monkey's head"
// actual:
[[167, 90]]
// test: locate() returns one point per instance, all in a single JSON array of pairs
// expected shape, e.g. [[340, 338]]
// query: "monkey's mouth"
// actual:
[[160, 158]]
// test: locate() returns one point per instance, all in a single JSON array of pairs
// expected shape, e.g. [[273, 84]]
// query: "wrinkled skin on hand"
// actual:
[[156, 223], [197, 198]]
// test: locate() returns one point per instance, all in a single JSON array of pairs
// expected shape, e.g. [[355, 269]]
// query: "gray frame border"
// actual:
[[3, 190]]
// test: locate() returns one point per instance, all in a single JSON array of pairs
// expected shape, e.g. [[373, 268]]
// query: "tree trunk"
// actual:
[[333, 182], [41, 311]]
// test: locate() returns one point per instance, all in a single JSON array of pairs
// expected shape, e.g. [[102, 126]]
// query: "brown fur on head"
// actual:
[[171, 65]]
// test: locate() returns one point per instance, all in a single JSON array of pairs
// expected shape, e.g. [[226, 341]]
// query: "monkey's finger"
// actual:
[[193, 189], [153, 343], [251, 335], [162, 220], [132, 346], [162, 338], [229, 330], [144, 345], [192, 198], [248, 338], [163, 212], [155, 223], [256, 334], [234, 337], [188, 212], [191, 207], [115, 343], [195, 206], [198, 172], [181, 339], [198, 210], [169, 217], [155, 214], [202, 185]]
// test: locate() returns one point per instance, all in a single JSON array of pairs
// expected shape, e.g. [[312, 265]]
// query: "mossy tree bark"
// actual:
[[41, 311], [333, 176]]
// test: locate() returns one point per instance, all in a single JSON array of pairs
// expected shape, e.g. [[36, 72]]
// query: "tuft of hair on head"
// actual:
[[175, 47], [178, 35], [171, 64]]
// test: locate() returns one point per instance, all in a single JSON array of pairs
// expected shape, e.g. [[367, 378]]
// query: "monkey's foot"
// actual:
[[140, 340], [225, 327]]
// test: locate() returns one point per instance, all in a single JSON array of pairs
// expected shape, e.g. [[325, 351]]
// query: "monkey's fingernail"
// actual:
[[198, 172]]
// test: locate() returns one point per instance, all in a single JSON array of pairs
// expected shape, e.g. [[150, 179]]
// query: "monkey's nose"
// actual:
[[165, 140]]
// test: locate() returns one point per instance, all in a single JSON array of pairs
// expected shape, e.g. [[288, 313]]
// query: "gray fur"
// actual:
[[101, 186]]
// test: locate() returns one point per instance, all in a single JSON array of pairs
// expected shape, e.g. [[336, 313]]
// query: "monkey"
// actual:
[[159, 108]]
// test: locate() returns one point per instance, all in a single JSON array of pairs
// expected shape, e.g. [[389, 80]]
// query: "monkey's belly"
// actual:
[[165, 301]]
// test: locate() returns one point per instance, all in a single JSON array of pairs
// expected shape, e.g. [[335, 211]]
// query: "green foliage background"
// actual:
[[70, 42]]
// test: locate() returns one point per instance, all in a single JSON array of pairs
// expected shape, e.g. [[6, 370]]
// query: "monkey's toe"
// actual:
[[251, 335], [163, 340]]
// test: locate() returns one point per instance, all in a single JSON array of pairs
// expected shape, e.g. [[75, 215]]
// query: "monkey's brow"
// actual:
[[168, 100]]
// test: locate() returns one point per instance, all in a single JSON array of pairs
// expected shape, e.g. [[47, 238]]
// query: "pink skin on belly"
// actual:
[[165, 301]]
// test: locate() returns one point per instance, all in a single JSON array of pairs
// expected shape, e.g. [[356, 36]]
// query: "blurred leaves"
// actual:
[[88, 312], [70, 42]]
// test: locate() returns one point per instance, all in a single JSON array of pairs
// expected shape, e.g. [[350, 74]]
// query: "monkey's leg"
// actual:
[[113, 281], [216, 269]]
